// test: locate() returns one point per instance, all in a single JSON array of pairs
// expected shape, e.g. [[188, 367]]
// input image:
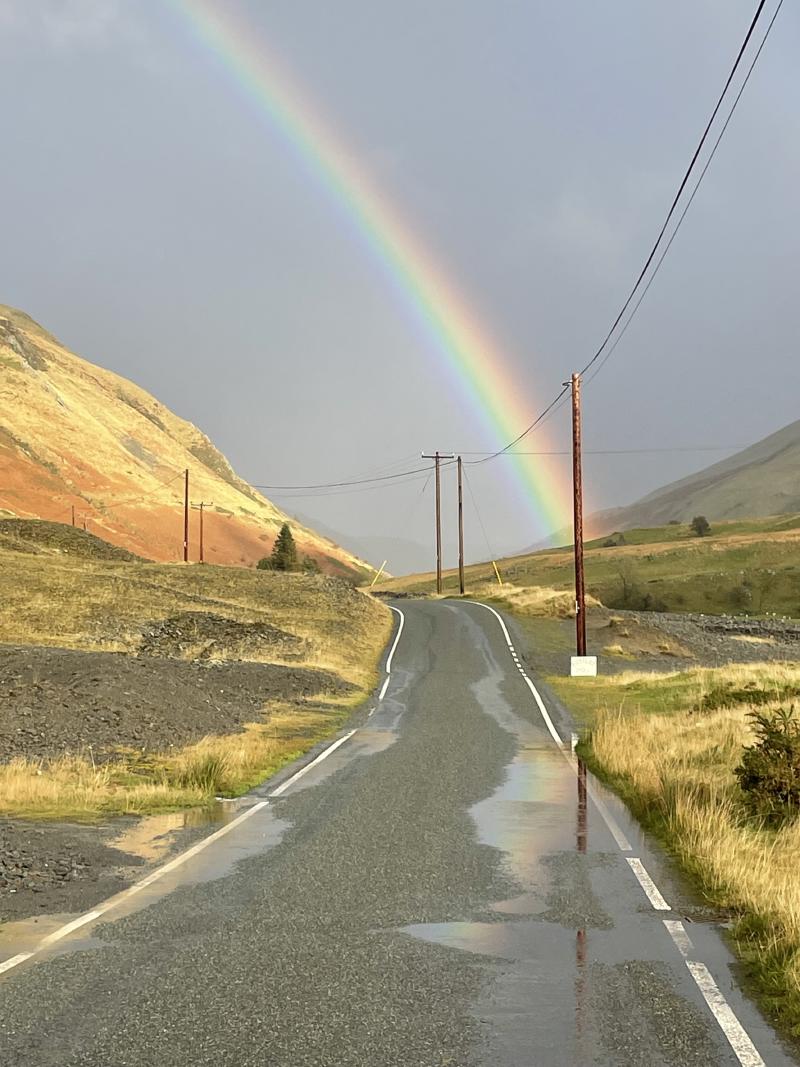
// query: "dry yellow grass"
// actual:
[[531, 600], [99, 605], [71, 787], [676, 771]]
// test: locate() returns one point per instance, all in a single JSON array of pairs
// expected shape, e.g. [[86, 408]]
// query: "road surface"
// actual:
[[444, 886]]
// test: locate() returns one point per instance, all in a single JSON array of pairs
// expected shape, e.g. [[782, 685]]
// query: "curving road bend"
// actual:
[[442, 887]]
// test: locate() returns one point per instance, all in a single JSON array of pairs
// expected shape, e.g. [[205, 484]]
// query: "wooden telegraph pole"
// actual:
[[200, 507], [577, 487], [460, 532], [186, 517], [437, 457]]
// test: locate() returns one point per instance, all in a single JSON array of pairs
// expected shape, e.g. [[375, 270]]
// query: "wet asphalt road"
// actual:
[[440, 890]]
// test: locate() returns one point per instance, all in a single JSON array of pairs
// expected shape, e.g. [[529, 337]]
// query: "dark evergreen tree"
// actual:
[[701, 525], [284, 551]]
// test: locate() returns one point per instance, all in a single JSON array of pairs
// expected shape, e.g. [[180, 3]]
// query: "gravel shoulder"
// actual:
[[55, 701], [658, 641]]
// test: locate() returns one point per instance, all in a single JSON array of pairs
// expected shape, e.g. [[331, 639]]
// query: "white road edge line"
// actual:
[[392, 651], [119, 898], [650, 888], [746, 1052], [304, 770], [612, 824], [677, 931], [616, 830]]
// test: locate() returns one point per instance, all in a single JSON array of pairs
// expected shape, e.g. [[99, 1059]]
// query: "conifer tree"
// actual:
[[284, 551]]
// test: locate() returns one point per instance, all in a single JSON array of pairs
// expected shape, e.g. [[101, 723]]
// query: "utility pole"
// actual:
[[460, 532], [437, 457], [577, 488], [203, 504], [186, 517], [73, 514]]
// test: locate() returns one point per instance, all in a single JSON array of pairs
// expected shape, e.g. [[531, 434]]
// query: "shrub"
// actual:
[[742, 595], [265, 564], [769, 774], [701, 526]]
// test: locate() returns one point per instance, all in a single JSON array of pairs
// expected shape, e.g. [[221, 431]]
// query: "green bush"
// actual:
[[769, 774], [700, 526], [752, 694]]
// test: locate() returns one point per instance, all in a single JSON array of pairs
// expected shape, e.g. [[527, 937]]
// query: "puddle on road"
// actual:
[[151, 836], [262, 831]]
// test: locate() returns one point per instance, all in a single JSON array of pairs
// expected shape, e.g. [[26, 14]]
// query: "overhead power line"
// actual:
[[618, 451], [560, 397], [339, 485], [681, 187], [690, 201]]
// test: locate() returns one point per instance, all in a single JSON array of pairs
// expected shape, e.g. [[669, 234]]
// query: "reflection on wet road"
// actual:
[[448, 887]]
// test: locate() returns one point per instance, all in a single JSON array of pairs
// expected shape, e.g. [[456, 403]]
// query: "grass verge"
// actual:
[[668, 744], [72, 787]]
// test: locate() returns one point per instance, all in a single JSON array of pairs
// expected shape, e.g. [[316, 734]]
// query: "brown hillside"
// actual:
[[73, 434]]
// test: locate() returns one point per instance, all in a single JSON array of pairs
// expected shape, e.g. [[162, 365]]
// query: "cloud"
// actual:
[[67, 24]]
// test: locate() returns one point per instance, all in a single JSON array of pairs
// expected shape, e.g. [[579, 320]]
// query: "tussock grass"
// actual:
[[532, 600], [674, 767], [72, 787]]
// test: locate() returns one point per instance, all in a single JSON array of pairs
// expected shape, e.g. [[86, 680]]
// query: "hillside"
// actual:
[[73, 435], [742, 567], [762, 480]]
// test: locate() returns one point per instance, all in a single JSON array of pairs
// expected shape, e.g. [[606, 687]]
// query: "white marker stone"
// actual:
[[583, 666]]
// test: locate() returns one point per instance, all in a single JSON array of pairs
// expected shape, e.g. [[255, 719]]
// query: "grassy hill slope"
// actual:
[[761, 480], [746, 566], [73, 435]]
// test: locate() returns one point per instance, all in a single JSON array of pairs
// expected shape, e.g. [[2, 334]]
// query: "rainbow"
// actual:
[[494, 394]]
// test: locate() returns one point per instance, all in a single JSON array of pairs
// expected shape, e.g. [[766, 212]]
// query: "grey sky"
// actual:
[[158, 226]]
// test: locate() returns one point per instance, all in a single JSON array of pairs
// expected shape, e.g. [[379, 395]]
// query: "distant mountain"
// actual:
[[75, 436], [764, 479], [403, 555]]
